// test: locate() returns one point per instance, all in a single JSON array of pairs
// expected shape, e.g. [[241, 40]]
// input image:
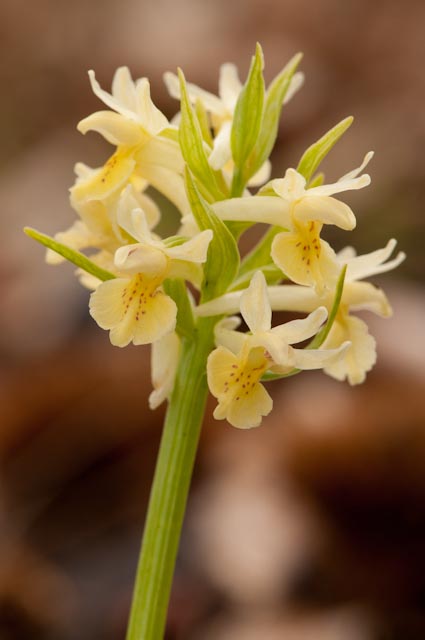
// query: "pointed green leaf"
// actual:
[[223, 253], [77, 258], [275, 96], [193, 149], [202, 116], [314, 155], [319, 339], [176, 289], [247, 118]]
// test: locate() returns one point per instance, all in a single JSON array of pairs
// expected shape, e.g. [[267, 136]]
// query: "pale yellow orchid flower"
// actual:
[[299, 250], [133, 306], [135, 126], [236, 367], [356, 296]]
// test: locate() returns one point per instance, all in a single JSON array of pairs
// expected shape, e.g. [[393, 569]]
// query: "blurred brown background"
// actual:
[[311, 527]]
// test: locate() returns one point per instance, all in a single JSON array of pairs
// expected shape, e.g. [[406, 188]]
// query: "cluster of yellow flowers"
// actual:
[[208, 161]]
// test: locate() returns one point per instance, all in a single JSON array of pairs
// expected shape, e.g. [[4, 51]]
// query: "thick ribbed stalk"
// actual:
[[170, 488]]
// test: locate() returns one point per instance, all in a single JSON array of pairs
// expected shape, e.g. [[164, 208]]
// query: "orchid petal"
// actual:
[[326, 210], [296, 83], [221, 152], [164, 361], [229, 85], [359, 358], [355, 172], [349, 184], [307, 359], [141, 258], [115, 128], [255, 306], [148, 114], [364, 296], [108, 99], [299, 330], [123, 89], [370, 264], [266, 209], [194, 250]]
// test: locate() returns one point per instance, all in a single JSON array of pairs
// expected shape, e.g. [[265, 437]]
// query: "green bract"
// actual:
[[223, 253], [77, 258], [275, 96], [192, 142], [314, 155], [247, 120]]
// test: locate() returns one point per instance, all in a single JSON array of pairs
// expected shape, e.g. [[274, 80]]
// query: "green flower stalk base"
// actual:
[[170, 488]]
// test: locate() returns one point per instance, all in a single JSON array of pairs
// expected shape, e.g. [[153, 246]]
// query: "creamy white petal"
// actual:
[[355, 172], [221, 152], [114, 128], [167, 182], [346, 254], [229, 85], [350, 184], [163, 152], [326, 210], [297, 82], [273, 344], [359, 358], [141, 258], [255, 305], [262, 175], [225, 334], [293, 297], [131, 218], [164, 361], [150, 208], [108, 99], [194, 250], [123, 89], [234, 341], [307, 359], [291, 187], [364, 296], [370, 264], [299, 330], [149, 116], [266, 209]]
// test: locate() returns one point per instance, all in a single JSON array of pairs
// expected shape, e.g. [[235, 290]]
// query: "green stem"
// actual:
[[238, 184], [170, 488]]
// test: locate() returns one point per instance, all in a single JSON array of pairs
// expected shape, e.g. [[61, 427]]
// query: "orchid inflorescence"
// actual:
[[212, 163]]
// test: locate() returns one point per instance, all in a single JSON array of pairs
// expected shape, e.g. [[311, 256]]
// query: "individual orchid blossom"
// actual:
[[98, 227], [356, 296], [299, 251], [136, 127], [133, 306], [221, 109], [236, 367]]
